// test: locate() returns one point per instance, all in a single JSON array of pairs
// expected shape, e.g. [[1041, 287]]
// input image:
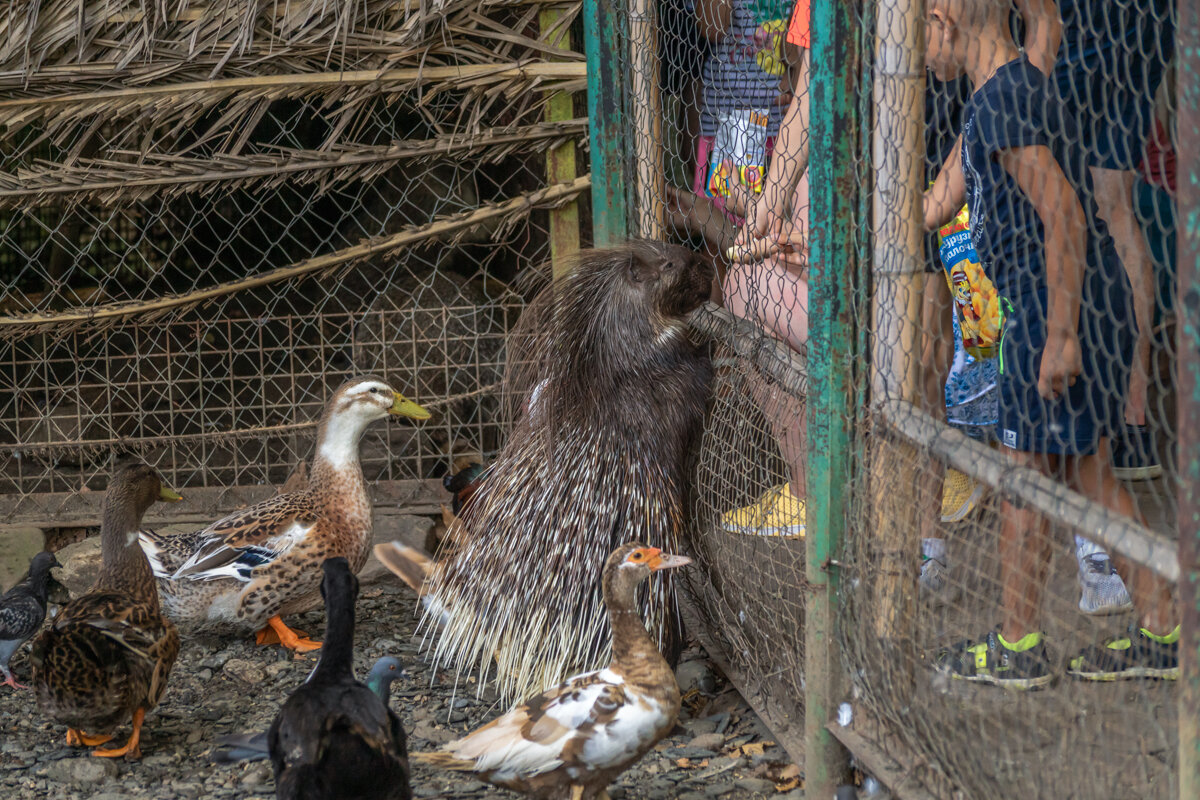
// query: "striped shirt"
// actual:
[[746, 69]]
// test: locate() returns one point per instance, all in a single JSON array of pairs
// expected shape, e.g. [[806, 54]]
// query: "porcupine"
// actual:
[[616, 393]]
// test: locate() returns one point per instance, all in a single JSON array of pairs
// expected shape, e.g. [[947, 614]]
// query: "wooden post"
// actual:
[[650, 208], [897, 156], [833, 195], [603, 37], [1187, 48], [560, 160]]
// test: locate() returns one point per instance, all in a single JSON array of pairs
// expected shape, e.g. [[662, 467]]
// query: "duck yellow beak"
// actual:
[[404, 407], [169, 496]]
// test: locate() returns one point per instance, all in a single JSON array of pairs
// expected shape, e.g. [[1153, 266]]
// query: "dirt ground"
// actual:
[[719, 748]]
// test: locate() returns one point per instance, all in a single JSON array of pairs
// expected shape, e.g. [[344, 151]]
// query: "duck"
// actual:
[[335, 738], [22, 611], [574, 739], [253, 746], [107, 656], [248, 570]]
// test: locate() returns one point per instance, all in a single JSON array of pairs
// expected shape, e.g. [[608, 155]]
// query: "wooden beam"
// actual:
[[203, 505]]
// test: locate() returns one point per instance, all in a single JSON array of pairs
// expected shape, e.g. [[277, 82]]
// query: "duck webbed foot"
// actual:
[[132, 751], [277, 632], [77, 738]]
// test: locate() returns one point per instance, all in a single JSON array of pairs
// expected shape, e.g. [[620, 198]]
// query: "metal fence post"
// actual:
[[1187, 48], [607, 125], [833, 196]]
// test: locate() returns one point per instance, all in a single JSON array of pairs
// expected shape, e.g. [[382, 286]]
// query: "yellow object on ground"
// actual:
[[777, 512]]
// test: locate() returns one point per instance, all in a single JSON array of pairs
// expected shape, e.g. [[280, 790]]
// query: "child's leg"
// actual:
[[1092, 476], [1025, 551], [1114, 201]]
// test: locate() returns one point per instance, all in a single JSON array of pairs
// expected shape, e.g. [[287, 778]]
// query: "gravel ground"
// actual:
[[719, 749]]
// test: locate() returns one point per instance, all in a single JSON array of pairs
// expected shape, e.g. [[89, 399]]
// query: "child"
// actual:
[[969, 400], [1066, 343]]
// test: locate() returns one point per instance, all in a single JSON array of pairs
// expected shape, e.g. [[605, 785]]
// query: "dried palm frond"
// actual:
[[130, 176], [504, 215]]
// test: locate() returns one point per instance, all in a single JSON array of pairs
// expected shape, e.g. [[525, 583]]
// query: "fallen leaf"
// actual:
[[683, 763], [788, 785]]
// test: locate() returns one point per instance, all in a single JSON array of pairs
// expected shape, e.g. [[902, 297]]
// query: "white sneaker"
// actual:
[[1102, 591]]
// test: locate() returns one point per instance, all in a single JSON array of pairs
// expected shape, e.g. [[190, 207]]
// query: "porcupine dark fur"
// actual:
[[598, 459]]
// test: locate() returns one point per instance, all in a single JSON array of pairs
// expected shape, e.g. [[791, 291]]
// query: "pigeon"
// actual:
[[22, 610]]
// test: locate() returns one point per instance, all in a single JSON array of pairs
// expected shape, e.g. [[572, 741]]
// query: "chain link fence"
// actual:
[[212, 213], [1005, 621]]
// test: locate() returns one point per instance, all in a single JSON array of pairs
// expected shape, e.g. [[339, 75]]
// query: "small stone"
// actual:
[[719, 789], [157, 760], [81, 563], [616, 792], [204, 674], [274, 670], [245, 671], [688, 752], [708, 741], [216, 660], [699, 726], [194, 737], [755, 785], [110, 796], [696, 674], [436, 736], [82, 771], [690, 796], [456, 716], [256, 775]]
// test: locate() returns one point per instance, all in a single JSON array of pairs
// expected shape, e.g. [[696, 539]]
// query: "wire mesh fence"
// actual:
[[212, 213], [1006, 613]]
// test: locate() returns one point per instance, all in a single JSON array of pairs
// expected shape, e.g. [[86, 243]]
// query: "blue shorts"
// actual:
[[1107, 74], [1094, 407]]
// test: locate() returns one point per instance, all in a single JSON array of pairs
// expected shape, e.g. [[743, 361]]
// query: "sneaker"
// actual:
[[1024, 664], [1140, 654], [933, 565], [1102, 592], [960, 493], [777, 513], [1135, 454]]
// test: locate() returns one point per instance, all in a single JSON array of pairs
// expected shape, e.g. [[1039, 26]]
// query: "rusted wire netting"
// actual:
[[966, 523], [212, 212]]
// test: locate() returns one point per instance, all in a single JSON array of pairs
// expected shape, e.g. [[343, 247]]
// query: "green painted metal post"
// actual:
[[1187, 49], [833, 197], [604, 46]]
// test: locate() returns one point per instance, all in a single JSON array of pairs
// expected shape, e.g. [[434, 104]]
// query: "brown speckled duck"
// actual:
[[107, 656], [246, 571], [574, 739]]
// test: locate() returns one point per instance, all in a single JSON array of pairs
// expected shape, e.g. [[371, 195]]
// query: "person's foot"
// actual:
[[960, 494], [777, 512], [1023, 664], [1135, 454], [1102, 592], [1139, 654]]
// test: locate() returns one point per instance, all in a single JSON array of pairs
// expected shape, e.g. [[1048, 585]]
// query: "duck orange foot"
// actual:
[[278, 633], [132, 751], [77, 738]]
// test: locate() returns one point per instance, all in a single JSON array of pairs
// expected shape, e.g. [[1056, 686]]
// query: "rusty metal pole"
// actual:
[[1187, 48]]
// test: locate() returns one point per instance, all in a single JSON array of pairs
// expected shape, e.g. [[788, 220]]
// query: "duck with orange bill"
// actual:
[[255, 566], [107, 656], [576, 738]]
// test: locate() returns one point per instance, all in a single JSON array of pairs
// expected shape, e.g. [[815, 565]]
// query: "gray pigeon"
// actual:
[[22, 609]]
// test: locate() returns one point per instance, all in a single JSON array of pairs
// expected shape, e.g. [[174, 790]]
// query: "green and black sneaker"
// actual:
[[1023, 664], [1140, 654]]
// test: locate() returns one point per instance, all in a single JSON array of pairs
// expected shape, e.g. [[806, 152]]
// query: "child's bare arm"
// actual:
[[788, 161], [1064, 227], [713, 18], [948, 193]]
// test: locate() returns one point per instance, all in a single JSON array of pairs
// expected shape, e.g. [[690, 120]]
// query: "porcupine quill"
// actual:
[[615, 394]]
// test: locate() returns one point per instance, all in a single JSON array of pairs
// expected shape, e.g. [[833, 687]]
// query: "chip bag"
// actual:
[[975, 300]]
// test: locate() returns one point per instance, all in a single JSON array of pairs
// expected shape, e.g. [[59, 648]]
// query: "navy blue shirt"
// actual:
[[1014, 109]]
